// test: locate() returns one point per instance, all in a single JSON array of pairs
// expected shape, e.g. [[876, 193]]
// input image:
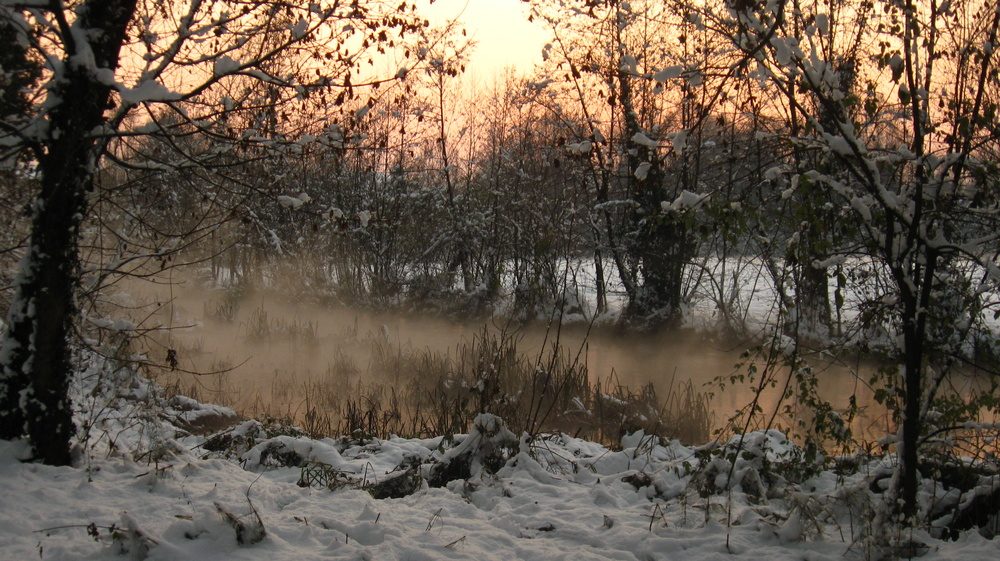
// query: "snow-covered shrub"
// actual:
[[249, 526], [233, 443], [484, 450], [761, 464], [117, 410]]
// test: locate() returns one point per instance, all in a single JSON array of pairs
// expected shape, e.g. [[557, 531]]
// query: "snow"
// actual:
[[628, 64], [529, 511], [642, 170], [364, 217], [668, 73], [643, 140], [679, 141], [123, 325], [685, 200], [149, 90], [838, 144], [333, 213], [300, 28], [539, 85], [782, 51], [896, 64], [225, 65], [154, 491], [823, 23], [581, 148], [294, 203]]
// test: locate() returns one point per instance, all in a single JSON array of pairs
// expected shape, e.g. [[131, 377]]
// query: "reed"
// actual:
[[423, 393]]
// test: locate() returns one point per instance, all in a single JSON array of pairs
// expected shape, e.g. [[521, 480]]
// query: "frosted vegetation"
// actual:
[[807, 182]]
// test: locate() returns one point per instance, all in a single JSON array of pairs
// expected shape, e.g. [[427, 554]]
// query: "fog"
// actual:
[[271, 349]]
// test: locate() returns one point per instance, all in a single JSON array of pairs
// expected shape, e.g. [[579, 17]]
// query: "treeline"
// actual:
[[655, 160]]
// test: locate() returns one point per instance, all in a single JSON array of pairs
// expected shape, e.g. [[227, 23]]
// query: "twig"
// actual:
[[434, 517], [458, 541]]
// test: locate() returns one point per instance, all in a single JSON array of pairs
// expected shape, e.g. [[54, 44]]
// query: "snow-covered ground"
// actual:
[[144, 488]]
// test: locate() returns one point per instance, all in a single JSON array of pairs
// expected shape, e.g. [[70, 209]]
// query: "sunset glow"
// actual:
[[504, 37]]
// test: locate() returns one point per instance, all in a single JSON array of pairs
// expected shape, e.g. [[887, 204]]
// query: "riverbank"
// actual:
[[146, 486]]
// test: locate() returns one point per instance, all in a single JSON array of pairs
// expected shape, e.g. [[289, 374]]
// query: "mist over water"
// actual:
[[277, 348]]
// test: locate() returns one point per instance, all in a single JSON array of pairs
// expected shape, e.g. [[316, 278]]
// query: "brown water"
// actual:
[[275, 346]]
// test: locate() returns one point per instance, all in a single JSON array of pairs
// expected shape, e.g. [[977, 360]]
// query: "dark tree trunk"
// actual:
[[662, 249], [916, 304], [14, 380], [812, 284], [661, 241], [602, 296], [913, 272], [43, 310], [913, 364], [36, 361]]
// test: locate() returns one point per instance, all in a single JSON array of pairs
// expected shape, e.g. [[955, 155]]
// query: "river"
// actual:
[[279, 349]]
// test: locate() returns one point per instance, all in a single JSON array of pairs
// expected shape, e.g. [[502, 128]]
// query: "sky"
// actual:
[[501, 29]]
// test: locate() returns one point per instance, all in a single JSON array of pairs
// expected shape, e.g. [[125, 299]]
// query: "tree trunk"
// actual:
[[812, 284], [43, 310], [36, 360], [602, 296], [661, 243], [913, 364]]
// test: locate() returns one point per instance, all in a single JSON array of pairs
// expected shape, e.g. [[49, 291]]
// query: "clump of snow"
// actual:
[[643, 140], [148, 90], [333, 213], [225, 65], [678, 141], [668, 73], [686, 200], [823, 23], [581, 148], [294, 203], [785, 345], [628, 64], [642, 170], [838, 144], [539, 86], [300, 28], [123, 326], [486, 447]]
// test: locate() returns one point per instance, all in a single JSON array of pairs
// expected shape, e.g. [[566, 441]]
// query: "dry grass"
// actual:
[[259, 326], [422, 393]]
